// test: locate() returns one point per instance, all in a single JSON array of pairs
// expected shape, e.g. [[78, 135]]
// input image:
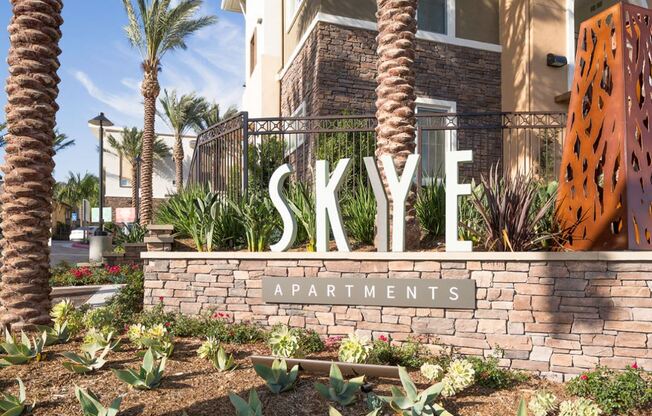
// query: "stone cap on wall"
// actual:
[[432, 256]]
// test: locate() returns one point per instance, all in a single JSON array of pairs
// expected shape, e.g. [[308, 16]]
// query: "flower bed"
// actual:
[[65, 274]]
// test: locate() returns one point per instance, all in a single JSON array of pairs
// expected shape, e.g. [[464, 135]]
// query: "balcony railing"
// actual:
[[241, 153]]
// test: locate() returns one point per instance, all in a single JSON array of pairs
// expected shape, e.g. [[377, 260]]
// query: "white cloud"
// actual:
[[128, 103]]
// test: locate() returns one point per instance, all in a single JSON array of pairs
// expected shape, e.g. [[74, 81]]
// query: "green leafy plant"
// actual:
[[354, 349], [284, 342], [91, 405], [57, 334], [100, 320], [334, 412], [148, 376], [259, 219], [277, 377], [339, 390], [128, 302], [24, 352], [95, 339], [430, 208], [302, 203], [581, 406], [128, 233], [542, 403], [410, 354], [410, 402], [359, 212], [614, 392], [460, 375], [252, 407], [432, 372], [157, 337], [87, 362], [212, 351], [489, 374], [310, 341], [522, 409], [11, 405]]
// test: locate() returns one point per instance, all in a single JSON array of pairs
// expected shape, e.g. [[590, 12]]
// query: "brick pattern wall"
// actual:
[[335, 71], [130, 256], [554, 318]]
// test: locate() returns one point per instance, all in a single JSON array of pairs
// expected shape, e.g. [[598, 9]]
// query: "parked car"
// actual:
[[82, 233]]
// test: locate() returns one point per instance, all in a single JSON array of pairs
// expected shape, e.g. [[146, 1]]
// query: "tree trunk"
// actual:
[[178, 161], [150, 90], [395, 103], [32, 89], [134, 185]]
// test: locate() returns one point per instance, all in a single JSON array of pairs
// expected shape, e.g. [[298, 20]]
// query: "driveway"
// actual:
[[68, 251]]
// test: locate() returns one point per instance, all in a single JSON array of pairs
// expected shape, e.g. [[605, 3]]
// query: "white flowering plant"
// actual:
[[432, 372], [354, 349], [459, 376], [579, 407], [542, 403], [285, 343]]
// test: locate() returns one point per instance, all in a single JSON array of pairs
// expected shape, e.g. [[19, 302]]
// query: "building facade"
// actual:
[[118, 180]]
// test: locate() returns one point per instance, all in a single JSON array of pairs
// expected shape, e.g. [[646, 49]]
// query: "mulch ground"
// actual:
[[192, 387]]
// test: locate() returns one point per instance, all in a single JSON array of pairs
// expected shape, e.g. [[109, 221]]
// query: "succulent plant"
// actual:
[[62, 311], [252, 407], [11, 405], [87, 362], [21, 353], [412, 403], [284, 343], [56, 334], [432, 372], [212, 351], [91, 405], [94, 338], [277, 377], [334, 412], [579, 407], [542, 403], [339, 390], [149, 375], [354, 349]]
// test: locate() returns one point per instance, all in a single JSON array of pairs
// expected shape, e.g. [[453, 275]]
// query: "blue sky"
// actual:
[[101, 72]]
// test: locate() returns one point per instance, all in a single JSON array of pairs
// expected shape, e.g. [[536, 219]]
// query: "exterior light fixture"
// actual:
[[556, 61]]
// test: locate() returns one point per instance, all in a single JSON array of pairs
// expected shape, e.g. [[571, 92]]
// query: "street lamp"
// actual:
[[137, 185], [102, 122]]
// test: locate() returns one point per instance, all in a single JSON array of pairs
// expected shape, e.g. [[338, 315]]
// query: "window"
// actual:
[[292, 8], [293, 141], [433, 137], [253, 53], [125, 172], [432, 16]]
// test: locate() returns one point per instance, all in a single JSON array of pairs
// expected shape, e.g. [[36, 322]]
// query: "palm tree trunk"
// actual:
[[32, 89], [150, 90], [395, 103], [134, 186], [178, 161]]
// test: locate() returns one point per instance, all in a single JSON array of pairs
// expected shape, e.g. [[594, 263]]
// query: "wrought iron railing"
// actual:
[[241, 153]]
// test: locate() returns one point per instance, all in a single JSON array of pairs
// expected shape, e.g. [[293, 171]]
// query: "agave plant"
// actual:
[[277, 377], [87, 362], [410, 402], [334, 412], [302, 203], [11, 405], [56, 334], [148, 376], [94, 338], [91, 405], [24, 352], [252, 407], [211, 350], [339, 390]]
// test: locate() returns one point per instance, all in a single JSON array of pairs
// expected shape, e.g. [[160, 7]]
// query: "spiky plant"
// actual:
[[149, 375], [11, 405], [91, 405], [339, 390], [88, 362], [277, 378], [252, 407]]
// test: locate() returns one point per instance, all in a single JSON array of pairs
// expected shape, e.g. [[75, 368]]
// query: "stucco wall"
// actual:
[[555, 314]]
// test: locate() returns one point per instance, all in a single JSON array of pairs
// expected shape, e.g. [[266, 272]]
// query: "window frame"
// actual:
[[123, 160], [291, 17], [450, 21], [450, 136], [297, 138]]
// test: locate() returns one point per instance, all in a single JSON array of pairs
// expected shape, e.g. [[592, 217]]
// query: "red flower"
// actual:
[[584, 377], [635, 366], [160, 299], [167, 324], [383, 338]]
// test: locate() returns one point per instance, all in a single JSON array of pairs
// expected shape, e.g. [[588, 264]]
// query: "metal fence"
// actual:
[[241, 153]]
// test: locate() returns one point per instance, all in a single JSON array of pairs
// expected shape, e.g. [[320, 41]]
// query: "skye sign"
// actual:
[[420, 293]]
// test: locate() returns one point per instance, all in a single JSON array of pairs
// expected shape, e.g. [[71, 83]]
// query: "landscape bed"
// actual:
[[192, 386]]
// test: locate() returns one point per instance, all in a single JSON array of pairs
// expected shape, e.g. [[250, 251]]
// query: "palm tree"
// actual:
[[76, 189], [32, 90], [130, 147], [395, 103], [156, 27], [212, 116], [180, 114], [61, 140]]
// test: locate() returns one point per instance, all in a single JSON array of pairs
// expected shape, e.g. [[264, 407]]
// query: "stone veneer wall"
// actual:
[[335, 71], [553, 313]]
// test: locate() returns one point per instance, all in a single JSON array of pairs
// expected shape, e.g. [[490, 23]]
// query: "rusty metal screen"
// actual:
[[606, 167]]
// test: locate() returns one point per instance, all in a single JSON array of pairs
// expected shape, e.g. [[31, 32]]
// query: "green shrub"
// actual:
[[259, 219], [302, 203], [127, 233], [430, 208], [212, 351], [615, 392], [81, 276], [489, 374], [148, 376], [410, 354], [411, 402], [100, 319], [310, 342], [178, 210], [128, 302], [359, 214]]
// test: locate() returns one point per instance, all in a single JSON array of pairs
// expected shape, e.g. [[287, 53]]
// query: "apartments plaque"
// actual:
[[422, 293]]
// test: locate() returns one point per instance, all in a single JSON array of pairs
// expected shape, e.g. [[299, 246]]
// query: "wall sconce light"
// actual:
[[556, 61], [259, 21]]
